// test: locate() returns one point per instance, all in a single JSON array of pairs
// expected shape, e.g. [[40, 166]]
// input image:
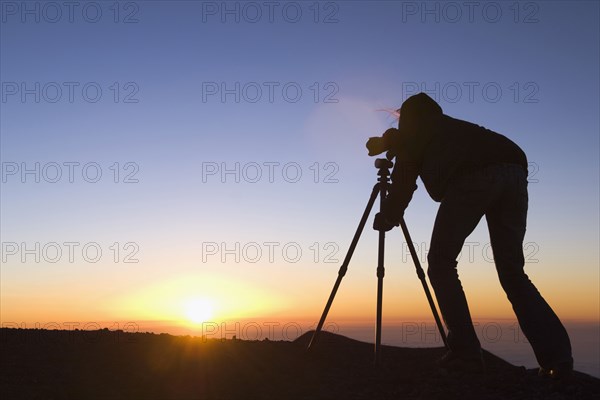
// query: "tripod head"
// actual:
[[384, 165]]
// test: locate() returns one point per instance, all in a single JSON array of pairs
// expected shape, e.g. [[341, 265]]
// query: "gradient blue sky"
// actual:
[[371, 52]]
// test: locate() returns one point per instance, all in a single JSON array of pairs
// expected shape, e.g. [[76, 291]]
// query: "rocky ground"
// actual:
[[39, 364]]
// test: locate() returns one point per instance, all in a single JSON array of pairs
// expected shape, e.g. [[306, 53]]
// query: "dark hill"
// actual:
[[40, 364]]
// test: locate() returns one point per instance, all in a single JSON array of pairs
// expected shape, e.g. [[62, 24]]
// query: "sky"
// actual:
[[184, 161]]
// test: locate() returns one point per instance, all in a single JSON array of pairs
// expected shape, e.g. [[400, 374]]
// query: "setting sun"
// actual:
[[199, 310]]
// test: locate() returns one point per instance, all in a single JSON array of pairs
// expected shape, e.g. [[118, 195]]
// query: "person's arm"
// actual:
[[403, 177], [400, 193]]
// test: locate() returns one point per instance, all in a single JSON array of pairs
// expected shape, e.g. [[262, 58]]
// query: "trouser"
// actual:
[[500, 193]]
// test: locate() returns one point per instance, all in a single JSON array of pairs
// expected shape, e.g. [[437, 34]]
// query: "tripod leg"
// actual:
[[380, 275], [421, 275], [344, 267]]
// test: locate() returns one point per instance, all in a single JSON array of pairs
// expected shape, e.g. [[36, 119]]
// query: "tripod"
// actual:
[[381, 189]]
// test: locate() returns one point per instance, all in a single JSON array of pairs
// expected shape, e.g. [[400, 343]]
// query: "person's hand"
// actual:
[[376, 145], [390, 155], [382, 224]]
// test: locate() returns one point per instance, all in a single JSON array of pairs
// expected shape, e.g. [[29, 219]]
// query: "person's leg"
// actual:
[[459, 213], [506, 223]]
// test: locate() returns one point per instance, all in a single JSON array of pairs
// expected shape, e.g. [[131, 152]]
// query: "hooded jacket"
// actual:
[[440, 149]]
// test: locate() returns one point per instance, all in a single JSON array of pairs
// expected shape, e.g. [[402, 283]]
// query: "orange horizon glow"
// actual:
[[188, 300], [191, 308]]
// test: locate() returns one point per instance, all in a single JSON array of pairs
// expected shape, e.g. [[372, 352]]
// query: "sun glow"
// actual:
[[191, 299], [199, 310]]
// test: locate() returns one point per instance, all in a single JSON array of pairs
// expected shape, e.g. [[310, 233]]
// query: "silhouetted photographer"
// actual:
[[472, 171]]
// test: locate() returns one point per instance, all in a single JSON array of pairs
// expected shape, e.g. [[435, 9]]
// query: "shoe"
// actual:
[[454, 361], [560, 371]]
